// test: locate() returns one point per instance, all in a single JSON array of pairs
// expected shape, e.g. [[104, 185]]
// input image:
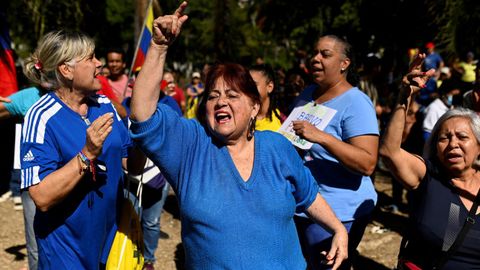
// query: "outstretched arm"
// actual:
[[146, 90], [407, 168]]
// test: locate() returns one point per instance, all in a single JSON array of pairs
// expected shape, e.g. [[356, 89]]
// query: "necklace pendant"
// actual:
[[85, 119]]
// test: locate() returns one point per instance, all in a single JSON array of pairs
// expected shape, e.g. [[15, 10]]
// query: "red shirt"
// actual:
[[179, 96], [106, 88]]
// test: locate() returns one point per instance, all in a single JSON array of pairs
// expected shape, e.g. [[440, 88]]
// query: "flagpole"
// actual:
[[150, 2]]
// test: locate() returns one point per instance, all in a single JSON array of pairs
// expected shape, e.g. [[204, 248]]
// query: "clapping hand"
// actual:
[[167, 28], [97, 133]]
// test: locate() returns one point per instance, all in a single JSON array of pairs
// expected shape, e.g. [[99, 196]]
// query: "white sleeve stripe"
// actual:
[[32, 118], [39, 103], [116, 113], [29, 117], [106, 100], [35, 177], [22, 179], [29, 177], [42, 125], [33, 111], [103, 99], [33, 114], [35, 121]]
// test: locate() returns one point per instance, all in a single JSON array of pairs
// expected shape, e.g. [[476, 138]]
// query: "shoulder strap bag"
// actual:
[[469, 221]]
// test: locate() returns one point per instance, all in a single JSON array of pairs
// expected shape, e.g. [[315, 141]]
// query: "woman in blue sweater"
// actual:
[[237, 189]]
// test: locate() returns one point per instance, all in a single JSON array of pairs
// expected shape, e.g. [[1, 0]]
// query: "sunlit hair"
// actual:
[[53, 50], [236, 77], [430, 151], [350, 71]]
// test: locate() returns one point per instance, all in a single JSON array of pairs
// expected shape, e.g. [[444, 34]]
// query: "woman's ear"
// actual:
[[270, 86], [345, 64], [66, 71], [256, 109]]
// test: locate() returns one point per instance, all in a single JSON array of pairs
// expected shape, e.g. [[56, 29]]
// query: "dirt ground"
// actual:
[[378, 249]]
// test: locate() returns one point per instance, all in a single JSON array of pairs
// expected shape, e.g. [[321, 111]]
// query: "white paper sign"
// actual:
[[317, 115]]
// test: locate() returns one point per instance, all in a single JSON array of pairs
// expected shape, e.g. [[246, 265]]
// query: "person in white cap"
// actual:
[[194, 89]]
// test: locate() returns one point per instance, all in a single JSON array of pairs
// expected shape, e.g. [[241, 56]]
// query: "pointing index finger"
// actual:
[[181, 9]]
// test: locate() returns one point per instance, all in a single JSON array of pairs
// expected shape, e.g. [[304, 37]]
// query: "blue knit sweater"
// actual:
[[228, 223]]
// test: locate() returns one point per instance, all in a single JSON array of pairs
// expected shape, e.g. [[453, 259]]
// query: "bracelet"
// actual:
[[87, 164], [83, 166]]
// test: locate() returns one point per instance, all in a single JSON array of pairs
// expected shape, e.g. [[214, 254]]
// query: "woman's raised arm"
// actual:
[[406, 167], [147, 86]]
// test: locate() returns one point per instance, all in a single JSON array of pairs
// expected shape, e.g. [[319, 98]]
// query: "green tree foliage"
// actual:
[[458, 25], [30, 19], [110, 22], [275, 30], [118, 29]]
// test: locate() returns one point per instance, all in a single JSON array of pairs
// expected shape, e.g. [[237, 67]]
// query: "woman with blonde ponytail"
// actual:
[[73, 148]]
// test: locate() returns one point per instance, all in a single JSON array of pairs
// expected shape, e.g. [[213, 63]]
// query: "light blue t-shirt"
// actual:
[[228, 223], [76, 233], [22, 101], [350, 194]]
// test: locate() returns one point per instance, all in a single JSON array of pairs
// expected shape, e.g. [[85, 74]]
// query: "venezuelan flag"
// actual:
[[8, 74], [144, 40]]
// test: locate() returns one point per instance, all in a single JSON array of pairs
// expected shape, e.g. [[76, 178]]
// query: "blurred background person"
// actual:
[[195, 87], [471, 99], [117, 78], [170, 87], [438, 107], [17, 105], [466, 69], [269, 117], [194, 91], [153, 196], [432, 61]]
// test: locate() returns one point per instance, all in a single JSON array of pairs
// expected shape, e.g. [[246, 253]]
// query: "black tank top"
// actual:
[[437, 217]]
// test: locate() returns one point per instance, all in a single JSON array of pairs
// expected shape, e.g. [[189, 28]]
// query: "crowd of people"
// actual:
[[249, 199]]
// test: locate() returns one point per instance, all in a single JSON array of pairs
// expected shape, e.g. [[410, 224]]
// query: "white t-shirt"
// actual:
[[432, 113]]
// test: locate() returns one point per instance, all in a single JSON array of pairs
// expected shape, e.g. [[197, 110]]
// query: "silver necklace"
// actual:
[[85, 119], [83, 116]]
